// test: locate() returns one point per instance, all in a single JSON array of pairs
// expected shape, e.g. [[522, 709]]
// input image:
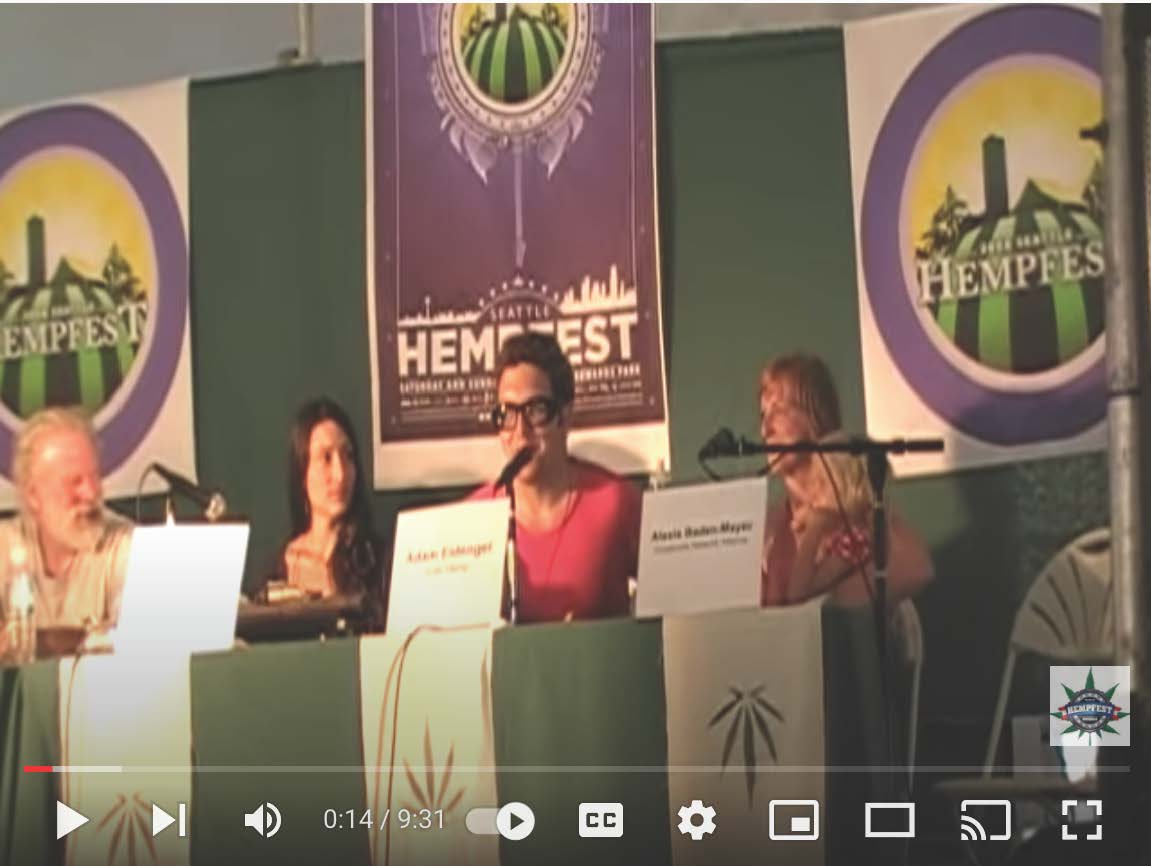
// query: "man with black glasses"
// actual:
[[577, 524]]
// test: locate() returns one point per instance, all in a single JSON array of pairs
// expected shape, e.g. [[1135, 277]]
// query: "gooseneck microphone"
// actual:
[[514, 466], [211, 501], [722, 444]]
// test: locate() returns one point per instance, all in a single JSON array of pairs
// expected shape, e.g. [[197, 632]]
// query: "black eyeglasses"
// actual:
[[536, 412]]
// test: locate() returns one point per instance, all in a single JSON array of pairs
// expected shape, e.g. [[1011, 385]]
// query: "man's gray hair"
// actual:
[[40, 424]]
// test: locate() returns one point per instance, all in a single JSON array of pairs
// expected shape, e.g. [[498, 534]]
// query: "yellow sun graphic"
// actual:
[[1038, 106], [86, 206], [470, 16]]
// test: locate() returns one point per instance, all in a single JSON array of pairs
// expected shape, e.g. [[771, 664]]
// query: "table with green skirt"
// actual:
[[376, 749]]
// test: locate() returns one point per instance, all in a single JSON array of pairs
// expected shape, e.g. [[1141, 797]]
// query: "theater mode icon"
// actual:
[[890, 821]]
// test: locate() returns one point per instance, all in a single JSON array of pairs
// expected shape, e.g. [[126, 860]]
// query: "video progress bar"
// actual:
[[549, 769]]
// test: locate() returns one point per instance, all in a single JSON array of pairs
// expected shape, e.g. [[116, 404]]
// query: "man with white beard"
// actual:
[[73, 549]]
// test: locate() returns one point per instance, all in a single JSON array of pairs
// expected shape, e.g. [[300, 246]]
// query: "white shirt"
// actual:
[[90, 588]]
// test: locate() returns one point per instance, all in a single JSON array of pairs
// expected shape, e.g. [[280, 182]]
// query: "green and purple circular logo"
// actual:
[[513, 71], [93, 275], [981, 227], [512, 52]]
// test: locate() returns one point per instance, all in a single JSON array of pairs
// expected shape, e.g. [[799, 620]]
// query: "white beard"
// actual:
[[82, 534]]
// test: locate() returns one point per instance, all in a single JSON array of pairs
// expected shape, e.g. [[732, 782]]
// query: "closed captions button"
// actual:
[[601, 820]]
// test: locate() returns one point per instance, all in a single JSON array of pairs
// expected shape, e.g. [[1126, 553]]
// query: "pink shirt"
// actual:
[[778, 558], [850, 546], [581, 567]]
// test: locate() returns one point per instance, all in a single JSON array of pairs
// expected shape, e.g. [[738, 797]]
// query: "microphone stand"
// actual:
[[211, 502], [877, 475], [876, 453], [507, 481], [510, 566]]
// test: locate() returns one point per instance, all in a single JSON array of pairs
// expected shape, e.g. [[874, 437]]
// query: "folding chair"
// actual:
[[1066, 616]]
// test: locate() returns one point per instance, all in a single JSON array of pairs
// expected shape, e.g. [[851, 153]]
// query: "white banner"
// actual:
[[125, 713], [976, 163], [94, 276], [429, 750], [742, 699], [701, 548]]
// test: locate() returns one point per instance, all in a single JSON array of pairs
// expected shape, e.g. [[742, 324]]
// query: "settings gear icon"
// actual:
[[690, 826]]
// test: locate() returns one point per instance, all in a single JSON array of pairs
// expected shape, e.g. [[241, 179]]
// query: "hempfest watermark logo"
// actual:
[[981, 227], [1090, 705]]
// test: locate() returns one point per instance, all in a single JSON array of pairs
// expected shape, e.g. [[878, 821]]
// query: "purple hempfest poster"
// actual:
[[511, 187]]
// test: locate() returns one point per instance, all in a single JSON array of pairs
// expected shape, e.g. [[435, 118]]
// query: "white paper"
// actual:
[[701, 548], [182, 590], [448, 566]]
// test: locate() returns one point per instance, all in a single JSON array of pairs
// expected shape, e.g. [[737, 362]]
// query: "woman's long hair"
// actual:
[[846, 474], [812, 386], [354, 558]]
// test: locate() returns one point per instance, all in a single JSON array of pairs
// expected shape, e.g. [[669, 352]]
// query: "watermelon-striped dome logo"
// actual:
[[514, 75], [981, 226], [512, 51], [514, 80], [1009, 246], [93, 275]]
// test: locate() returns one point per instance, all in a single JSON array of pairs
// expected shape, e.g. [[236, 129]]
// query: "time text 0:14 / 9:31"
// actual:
[[402, 819]]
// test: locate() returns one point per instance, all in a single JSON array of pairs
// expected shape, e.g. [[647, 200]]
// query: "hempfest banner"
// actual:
[[94, 275], [977, 166], [511, 186]]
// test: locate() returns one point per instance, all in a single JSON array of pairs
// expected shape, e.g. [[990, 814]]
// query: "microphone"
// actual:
[[515, 466], [722, 444], [212, 501]]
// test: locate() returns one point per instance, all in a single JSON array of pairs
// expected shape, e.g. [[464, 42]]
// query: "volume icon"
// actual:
[[265, 820]]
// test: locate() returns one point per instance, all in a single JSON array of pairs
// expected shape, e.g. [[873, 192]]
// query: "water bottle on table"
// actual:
[[20, 613]]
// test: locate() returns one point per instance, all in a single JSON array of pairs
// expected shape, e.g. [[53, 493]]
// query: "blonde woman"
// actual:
[[818, 538]]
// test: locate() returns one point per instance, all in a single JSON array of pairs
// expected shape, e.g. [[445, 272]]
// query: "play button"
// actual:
[[515, 821], [67, 820], [161, 820]]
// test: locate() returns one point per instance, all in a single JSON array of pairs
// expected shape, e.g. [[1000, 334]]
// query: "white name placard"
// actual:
[[448, 566], [701, 548]]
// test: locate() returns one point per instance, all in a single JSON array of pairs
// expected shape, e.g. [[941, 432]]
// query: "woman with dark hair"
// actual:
[[333, 549]]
